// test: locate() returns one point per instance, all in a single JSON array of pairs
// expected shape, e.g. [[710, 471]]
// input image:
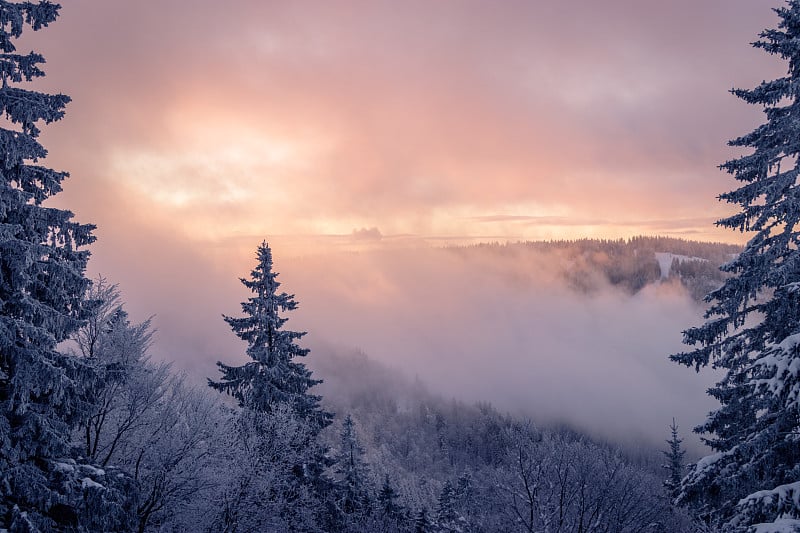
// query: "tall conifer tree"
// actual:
[[752, 328], [352, 470], [41, 287], [387, 500], [674, 463], [274, 376]]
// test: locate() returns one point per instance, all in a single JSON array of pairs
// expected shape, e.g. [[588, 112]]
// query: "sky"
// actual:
[[333, 124], [199, 128]]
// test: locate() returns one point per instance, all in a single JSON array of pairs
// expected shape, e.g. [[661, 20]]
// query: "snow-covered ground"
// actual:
[[665, 260]]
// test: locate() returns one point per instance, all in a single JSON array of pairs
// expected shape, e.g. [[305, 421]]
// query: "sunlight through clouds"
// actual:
[[308, 119]]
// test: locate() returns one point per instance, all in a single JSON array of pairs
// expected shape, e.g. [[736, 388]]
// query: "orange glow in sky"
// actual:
[[380, 123]]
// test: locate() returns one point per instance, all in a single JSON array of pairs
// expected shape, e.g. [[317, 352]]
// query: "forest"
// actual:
[[97, 434]]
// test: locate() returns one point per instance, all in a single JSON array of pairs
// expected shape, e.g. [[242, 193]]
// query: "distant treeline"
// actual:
[[587, 265]]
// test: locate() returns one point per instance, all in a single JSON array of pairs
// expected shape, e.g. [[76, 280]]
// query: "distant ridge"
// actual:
[[628, 264]]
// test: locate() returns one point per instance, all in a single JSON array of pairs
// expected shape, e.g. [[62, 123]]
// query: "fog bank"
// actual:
[[508, 330], [479, 326]]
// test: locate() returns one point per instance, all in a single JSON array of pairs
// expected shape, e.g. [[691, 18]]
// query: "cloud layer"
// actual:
[[316, 118]]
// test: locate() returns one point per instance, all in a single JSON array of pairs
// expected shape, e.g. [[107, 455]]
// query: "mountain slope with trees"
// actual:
[[630, 265]]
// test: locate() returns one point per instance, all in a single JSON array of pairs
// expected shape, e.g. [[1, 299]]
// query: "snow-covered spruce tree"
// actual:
[[274, 376], [422, 523], [387, 501], [752, 327], [42, 391], [448, 519], [352, 472], [674, 464], [274, 384]]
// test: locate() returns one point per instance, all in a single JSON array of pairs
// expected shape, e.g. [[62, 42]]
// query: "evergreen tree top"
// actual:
[[768, 208], [26, 107], [15, 15], [274, 376]]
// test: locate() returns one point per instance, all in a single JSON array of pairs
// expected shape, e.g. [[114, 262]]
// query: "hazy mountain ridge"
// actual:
[[586, 265]]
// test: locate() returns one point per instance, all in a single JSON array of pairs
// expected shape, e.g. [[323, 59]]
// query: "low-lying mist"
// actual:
[[488, 325], [508, 329]]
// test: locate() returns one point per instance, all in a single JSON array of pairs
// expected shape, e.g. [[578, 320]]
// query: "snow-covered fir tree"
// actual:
[[274, 376], [387, 500], [271, 388], [422, 523], [448, 519], [352, 472], [43, 485], [752, 328], [674, 464]]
